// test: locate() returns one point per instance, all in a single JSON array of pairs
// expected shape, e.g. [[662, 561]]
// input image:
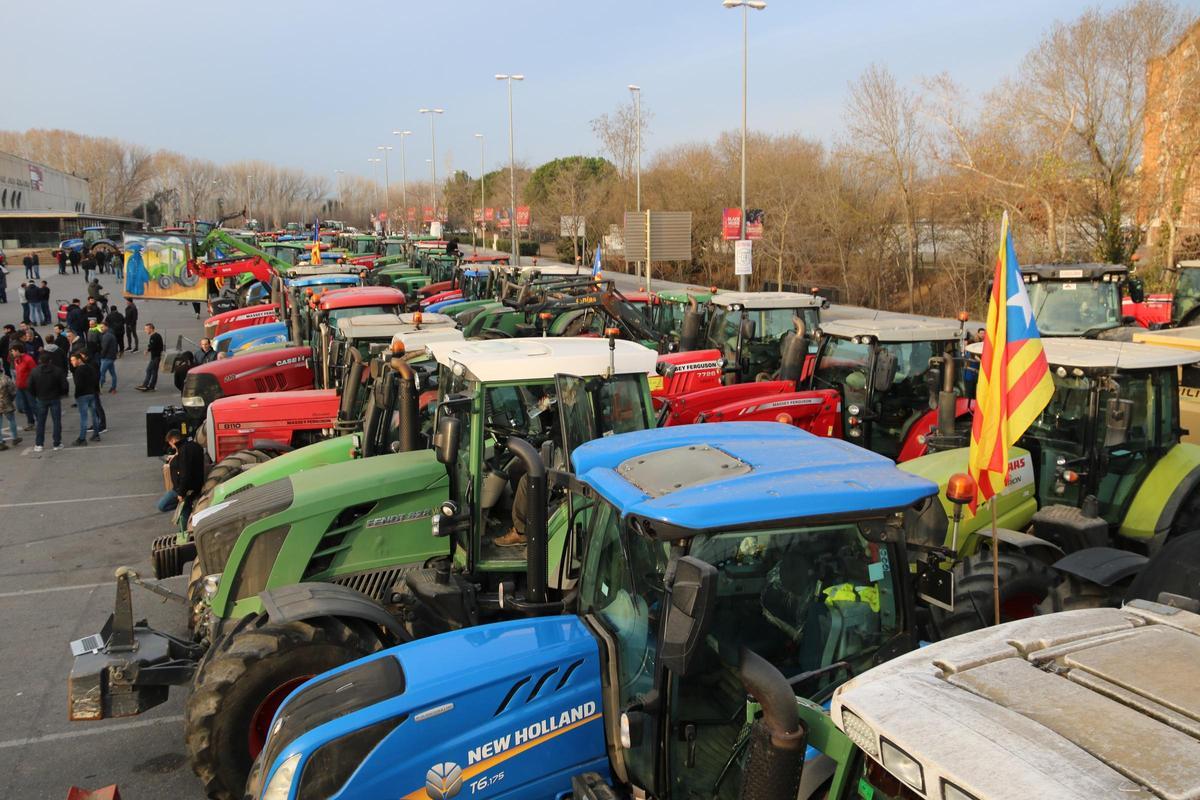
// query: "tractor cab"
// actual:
[[362, 245], [669, 316], [1081, 300], [750, 329], [885, 369], [715, 581], [1185, 301]]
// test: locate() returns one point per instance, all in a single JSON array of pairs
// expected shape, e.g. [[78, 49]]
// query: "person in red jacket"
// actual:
[[23, 364]]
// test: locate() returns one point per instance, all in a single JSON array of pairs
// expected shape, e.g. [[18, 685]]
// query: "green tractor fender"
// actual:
[[345, 520], [829, 774], [1163, 496], [1014, 509]]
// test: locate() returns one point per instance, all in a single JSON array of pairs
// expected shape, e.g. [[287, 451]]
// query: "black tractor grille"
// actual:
[[216, 534], [377, 583]]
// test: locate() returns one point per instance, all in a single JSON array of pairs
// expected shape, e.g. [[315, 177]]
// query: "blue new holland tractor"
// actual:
[[724, 580]]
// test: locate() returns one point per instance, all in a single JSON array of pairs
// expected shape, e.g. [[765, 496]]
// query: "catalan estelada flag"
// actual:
[[1014, 378], [316, 248]]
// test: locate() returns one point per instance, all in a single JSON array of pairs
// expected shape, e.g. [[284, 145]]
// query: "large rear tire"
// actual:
[[1025, 583], [1074, 593], [238, 688]]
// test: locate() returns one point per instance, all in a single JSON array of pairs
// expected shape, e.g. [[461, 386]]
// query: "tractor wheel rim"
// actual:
[[260, 720]]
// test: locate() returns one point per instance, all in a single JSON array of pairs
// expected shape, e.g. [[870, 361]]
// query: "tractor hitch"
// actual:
[[127, 667]]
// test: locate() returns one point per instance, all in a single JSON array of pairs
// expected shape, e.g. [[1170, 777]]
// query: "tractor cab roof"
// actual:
[[309, 270], [684, 295], [497, 360], [1189, 264], [766, 300], [895, 329], [416, 339], [369, 326], [1090, 703], [699, 477], [335, 279], [360, 296], [552, 269], [1104, 355], [1076, 272]]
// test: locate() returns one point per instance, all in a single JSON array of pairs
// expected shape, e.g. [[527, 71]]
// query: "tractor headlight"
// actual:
[[281, 782], [211, 584], [952, 792], [902, 765], [192, 401], [853, 410], [860, 733]]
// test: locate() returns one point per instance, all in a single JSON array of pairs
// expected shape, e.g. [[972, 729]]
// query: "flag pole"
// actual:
[[995, 563]]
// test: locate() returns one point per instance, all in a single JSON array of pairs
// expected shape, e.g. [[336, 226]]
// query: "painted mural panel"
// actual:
[[156, 268]]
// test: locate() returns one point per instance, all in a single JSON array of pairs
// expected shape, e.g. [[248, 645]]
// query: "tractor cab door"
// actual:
[[1134, 428], [593, 408]]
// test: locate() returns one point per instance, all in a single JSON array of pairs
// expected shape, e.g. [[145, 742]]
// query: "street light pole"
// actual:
[[376, 161], [482, 200], [512, 171], [387, 186], [403, 177], [637, 106], [433, 112], [745, 5]]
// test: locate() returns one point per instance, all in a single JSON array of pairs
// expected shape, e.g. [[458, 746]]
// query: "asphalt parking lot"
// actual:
[[68, 519]]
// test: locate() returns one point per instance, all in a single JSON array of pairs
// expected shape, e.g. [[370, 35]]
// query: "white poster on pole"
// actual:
[[742, 264]]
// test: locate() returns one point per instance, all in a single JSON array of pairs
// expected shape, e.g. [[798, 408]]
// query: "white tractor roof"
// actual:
[[383, 326], [554, 269], [766, 300], [495, 360], [1064, 706], [895, 328], [1064, 351], [414, 340]]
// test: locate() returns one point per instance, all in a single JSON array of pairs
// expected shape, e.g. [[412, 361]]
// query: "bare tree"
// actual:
[[885, 126]]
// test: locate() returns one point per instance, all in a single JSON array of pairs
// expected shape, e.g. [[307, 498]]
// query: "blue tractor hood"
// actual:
[[513, 708], [268, 333]]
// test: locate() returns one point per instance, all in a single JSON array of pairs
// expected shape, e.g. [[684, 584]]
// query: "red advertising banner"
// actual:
[[502, 219], [427, 214], [754, 223], [412, 214], [523, 216], [731, 224], [489, 214]]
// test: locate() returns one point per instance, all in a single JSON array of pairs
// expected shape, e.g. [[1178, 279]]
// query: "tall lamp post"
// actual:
[[403, 177], [745, 5], [482, 214], [376, 161], [512, 171], [637, 109], [433, 112], [387, 186]]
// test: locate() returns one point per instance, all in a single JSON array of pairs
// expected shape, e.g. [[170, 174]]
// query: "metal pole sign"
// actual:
[[742, 261]]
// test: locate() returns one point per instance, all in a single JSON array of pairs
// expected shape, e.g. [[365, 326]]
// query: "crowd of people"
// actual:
[[74, 360]]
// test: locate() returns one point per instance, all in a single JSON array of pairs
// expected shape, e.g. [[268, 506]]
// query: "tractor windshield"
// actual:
[[363, 247], [393, 249], [1063, 308], [804, 598], [357, 311]]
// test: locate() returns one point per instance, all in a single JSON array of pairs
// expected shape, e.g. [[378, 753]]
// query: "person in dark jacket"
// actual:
[[44, 292], [62, 262], [76, 319], [116, 323], [87, 392], [92, 313], [60, 336], [154, 351], [74, 257], [108, 357], [187, 475], [33, 296], [57, 353], [96, 294], [131, 315], [27, 261], [206, 353], [7, 340], [3, 284], [48, 385]]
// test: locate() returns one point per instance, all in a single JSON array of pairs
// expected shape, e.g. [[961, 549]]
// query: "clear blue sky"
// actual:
[[333, 79]]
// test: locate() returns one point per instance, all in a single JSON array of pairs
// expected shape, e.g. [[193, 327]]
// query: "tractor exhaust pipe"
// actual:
[[689, 334], [408, 403], [947, 397], [775, 759], [791, 365], [535, 518], [350, 386]]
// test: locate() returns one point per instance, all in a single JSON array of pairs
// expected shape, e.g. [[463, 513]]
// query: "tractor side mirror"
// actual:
[[749, 327], [1137, 289], [445, 438], [884, 374], [689, 614], [1118, 421]]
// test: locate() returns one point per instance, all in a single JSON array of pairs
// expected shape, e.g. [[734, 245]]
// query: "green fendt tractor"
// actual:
[[301, 572], [1100, 481]]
